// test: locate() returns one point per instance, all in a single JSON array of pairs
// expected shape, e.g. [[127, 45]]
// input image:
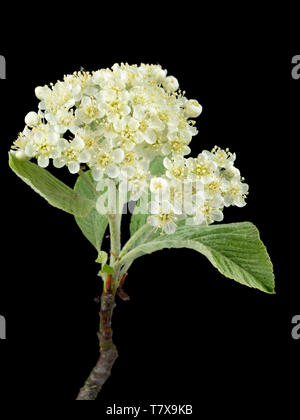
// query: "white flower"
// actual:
[[176, 168], [71, 155], [223, 158], [42, 144], [107, 162], [235, 194], [214, 190], [62, 121], [207, 214], [162, 217], [176, 146], [88, 110], [201, 168], [158, 184]]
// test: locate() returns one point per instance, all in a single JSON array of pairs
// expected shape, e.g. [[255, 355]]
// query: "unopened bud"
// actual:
[[192, 108], [171, 84], [160, 75], [32, 119], [39, 92]]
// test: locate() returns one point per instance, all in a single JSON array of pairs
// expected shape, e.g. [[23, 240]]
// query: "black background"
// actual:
[[188, 335]]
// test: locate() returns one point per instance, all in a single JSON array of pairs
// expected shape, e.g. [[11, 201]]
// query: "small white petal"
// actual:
[[150, 136], [167, 163], [53, 138], [112, 171], [217, 215], [160, 75], [133, 124], [78, 143], [97, 174], [43, 161], [84, 156], [55, 153], [154, 221], [30, 150], [169, 228], [166, 149], [199, 219], [41, 92], [189, 208], [74, 167], [118, 155], [59, 162]]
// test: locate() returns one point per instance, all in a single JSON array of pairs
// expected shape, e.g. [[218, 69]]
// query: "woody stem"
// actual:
[[109, 354], [108, 351]]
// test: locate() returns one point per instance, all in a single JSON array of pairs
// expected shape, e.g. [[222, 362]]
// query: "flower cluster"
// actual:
[[116, 121], [196, 189]]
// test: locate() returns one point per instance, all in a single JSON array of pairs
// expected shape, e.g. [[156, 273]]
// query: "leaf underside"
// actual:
[[157, 167], [49, 187], [234, 249]]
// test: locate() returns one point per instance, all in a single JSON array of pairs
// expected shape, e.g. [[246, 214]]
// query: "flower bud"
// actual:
[[192, 108], [32, 119], [39, 92], [160, 75], [171, 84]]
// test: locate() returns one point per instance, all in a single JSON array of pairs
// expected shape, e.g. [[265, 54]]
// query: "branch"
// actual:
[[134, 238], [108, 356], [115, 235]]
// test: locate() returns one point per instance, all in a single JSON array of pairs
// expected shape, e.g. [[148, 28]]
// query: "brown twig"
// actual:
[[108, 284], [123, 295], [108, 355]]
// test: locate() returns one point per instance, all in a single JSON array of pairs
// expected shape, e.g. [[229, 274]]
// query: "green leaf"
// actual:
[[107, 269], [49, 187], [102, 257], [157, 167], [234, 249], [94, 225]]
